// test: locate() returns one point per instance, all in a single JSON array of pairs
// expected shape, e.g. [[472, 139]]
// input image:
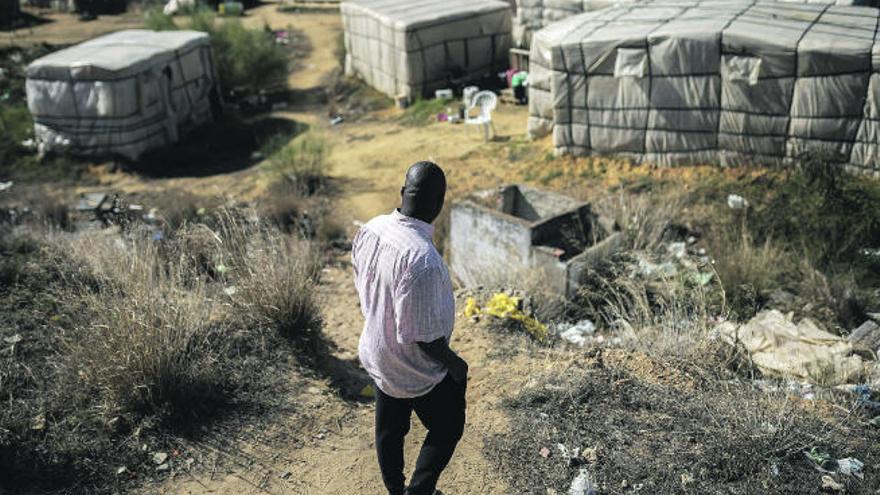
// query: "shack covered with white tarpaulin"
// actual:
[[534, 15], [122, 94], [712, 81], [413, 47]]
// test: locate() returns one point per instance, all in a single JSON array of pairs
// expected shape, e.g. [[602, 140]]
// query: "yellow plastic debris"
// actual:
[[470, 307], [502, 305], [505, 306], [368, 391]]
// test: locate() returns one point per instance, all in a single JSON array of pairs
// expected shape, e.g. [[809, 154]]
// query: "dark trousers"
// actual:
[[442, 412]]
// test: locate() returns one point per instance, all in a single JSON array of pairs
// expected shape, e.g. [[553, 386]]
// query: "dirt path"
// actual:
[[339, 457], [58, 28], [367, 163]]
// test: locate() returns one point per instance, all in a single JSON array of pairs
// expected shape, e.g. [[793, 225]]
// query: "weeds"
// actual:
[[724, 437], [127, 333], [750, 271], [273, 278], [422, 112], [246, 58], [303, 162], [644, 219]]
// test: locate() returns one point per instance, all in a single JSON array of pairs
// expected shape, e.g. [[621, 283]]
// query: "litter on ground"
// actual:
[[582, 484], [577, 333], [781, 348], [506, 307]]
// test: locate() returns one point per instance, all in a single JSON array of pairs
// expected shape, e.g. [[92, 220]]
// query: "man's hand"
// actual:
[[439, 350], [458, 369]]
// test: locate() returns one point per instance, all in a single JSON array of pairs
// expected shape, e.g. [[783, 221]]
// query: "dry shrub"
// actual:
[[148, 348], [276, 288], [665, 317], [154, 346], [274, 276], [837, 296], [748, 270], [283, 205], [304, 162], [723, 437], [119, 331], [643, 218]]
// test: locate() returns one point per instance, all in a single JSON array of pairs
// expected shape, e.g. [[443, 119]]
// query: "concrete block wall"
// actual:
[[499, 237]]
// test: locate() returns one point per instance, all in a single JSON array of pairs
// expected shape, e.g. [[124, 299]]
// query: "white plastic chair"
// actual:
[[485, 101]]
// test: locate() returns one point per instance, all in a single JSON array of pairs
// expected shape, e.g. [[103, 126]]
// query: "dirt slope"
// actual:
[[339, 458], [367, 162]]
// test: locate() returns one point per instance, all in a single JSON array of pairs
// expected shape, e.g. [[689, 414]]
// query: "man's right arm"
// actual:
[[439, 350]]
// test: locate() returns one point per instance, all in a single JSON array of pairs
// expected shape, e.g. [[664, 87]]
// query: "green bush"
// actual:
[[156, 20], [423, 112], [246, 58], [15, 126], [15, 122]]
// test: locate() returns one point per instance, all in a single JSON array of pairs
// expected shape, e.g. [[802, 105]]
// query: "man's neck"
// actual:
[[408, 212]]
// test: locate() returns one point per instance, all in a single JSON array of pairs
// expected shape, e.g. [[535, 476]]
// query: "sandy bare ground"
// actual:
[[342, 460]]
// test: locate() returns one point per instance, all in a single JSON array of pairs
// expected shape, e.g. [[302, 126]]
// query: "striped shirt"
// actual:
[[406, 297]]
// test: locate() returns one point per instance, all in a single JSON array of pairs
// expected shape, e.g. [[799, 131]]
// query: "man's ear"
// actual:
[[402, 191]]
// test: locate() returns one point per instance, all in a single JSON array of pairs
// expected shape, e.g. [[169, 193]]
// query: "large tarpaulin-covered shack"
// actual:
[[534, 15], [123, 93], [413, 47], [712, 81]]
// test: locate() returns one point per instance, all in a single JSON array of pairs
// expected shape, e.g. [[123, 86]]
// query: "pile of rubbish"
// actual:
[[780, 348]]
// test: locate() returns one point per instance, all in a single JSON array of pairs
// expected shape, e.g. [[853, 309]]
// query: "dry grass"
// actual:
[[157, 336], [274, 277], [148, 349], [653, 434], [644, 218], [679, 412], [302, 162], [749, 270]]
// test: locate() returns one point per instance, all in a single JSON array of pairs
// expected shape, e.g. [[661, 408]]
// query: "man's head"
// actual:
[[423, 192]]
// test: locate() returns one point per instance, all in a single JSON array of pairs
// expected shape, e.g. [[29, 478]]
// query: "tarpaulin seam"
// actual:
[[795, 71], [568, 76], [720, 62], [651, 71]]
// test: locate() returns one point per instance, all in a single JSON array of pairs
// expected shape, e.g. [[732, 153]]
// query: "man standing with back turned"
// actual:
[[407, 301]]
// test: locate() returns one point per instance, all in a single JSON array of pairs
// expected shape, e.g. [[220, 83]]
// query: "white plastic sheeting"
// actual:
[[712, 81], [121, 94], [413, 47]]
